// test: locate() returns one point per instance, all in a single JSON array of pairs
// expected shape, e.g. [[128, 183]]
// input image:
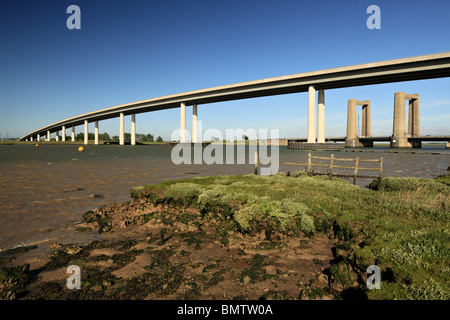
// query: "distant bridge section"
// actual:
[[406, 69]]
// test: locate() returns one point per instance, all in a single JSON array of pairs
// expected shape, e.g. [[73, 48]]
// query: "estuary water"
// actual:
[[45, 190]]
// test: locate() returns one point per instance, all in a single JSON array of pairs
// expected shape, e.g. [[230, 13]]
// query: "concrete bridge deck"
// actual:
[[405, 69]]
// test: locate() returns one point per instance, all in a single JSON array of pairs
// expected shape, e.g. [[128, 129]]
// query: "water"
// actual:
[[45, 190]]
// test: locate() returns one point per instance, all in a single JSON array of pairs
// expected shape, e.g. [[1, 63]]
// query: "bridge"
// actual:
[[368, 141], [405, 69]]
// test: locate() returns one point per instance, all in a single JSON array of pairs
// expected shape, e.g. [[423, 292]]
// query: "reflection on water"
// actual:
[[45, 188]]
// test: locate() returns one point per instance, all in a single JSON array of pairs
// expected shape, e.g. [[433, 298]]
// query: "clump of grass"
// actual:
[[210, 197], [274, 216], [183, 193]]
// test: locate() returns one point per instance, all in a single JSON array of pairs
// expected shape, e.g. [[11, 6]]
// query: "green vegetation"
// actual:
[[204, 235], [404, 228]]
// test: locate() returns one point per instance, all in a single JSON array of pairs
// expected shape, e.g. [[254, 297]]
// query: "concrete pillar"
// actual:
[[183, 123], [366, 130], [31, 138], [351, 140], [414, 115], [410, 118], [48, 135], [311, 115], [133, 129], [321, 117], [368, 120], [86, 133], [399, 114], [57, 135], [96, 133], [121, 129], [399, 139], [63, 133], [73, 133], [194, 124], [38, 137]]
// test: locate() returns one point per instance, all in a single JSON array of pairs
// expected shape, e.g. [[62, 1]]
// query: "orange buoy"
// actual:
[[80, 149], [36, 145]]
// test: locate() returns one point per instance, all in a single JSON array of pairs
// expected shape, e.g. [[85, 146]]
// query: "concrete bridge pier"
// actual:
[[96, 133], [183, 122], [63, 137], [38, 137], [400, 135], [86, 133], [122, 129], [57, 135], [48, 135], [352, 140], [311, 115], [133, 129], [321, 117], [194, 124], [73, 134]]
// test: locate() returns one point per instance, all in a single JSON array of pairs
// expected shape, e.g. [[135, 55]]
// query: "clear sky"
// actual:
[[133, 50]]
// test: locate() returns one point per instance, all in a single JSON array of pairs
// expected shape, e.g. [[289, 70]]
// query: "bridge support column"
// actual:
[[86, 133], [96, 133], [73, 134], [57, 135], [321, 117], [183, 123], [121, 129], [311, 115], [31, 138], [399, 139], [63, 134], [194, 124], [351, 140], [48, 135], [38, 137], [414, 119], [447, 145], [133, 129], [366, 130]]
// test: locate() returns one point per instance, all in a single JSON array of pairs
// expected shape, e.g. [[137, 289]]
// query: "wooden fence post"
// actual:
[[355, 172], [331, 166]]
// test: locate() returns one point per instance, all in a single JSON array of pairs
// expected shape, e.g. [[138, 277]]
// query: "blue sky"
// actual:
[[133, 50]]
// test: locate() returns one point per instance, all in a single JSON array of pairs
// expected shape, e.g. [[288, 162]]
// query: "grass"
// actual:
[[403, 229]]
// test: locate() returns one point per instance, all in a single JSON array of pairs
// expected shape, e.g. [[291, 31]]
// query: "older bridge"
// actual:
[[406, 69]]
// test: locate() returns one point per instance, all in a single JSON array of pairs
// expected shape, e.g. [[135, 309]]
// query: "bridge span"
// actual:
[[405, 69]]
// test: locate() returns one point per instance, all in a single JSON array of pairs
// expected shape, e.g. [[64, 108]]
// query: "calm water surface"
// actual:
[[46, 190]]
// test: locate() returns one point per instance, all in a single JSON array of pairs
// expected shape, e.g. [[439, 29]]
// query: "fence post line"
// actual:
[[355, 172], [331, 166], [309, 164], [256, 162]]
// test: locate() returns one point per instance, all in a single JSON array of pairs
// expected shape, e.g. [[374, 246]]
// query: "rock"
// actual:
[[322, 278], [246, 280], [72, 249], [55, 245], [271, 270]]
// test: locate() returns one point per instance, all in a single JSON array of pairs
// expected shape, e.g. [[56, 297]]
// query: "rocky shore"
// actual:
[[249, 237]]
